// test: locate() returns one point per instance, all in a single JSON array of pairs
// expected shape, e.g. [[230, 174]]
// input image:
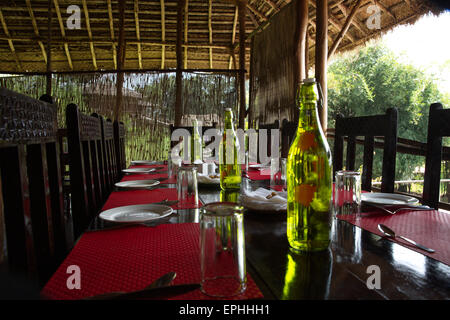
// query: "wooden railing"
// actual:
[[405, 146]]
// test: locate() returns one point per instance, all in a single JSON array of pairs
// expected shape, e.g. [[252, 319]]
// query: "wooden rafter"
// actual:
[[163, 34], [63, 33], [36, 29], [88, 27], [256, 12], [344, 30], [10, 43], [210, 32], [354, 22], [111, 29], [138, 33], [233, 39], [186, 30], [385, 9]]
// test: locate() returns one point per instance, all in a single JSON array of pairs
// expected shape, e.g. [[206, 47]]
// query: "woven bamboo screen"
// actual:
[[148, 102], [272, 70]]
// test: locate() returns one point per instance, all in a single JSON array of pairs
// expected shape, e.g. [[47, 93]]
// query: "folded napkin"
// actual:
[[257, 200], [206, 179]]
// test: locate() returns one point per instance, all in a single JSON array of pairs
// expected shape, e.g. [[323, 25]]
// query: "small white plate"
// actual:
[[207, 180], [388, 198], [142, 162], [138, 170], [136, 213], [137, 184], [258, 166]]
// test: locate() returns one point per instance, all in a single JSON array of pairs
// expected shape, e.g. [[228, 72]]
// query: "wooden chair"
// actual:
[[84, 135], [119, 144], [438, 127], [31, 185], [268, 127], [369, 127], [109, 155], [288, 131]]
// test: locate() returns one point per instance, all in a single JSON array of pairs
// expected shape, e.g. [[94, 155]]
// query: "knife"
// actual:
[[151, 293]]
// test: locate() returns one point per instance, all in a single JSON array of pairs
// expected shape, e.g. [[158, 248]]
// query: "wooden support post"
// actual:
[[163, 34], [49, 49], [138, 33], [233, 40], [241, 15], [300, 42], [186, 22], [344, 29], [179, 74], [307, 54], [210, 33], [322, 57], [120, 61]]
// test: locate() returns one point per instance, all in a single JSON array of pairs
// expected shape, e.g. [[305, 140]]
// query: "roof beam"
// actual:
[[186, 30], [385, 9], [344, 29], [36, 30], [63, 33], [88, 26], [163, 34], [111, 29], [138, 33], [11, 45], [233, 40], [210, 32], [355, 23]]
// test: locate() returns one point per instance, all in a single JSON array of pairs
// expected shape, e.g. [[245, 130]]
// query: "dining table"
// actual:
[[129, 258]]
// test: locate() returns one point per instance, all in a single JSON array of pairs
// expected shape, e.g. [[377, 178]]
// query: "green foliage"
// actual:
[[371, 81]]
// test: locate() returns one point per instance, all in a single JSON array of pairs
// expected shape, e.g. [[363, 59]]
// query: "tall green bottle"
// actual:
[[230, 169], [196, 144], [309, 178]]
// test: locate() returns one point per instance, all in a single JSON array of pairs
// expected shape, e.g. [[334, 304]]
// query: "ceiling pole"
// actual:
[[307, 53], [322, 57], [179, 74], [63, 33], [241, 15], [210, 33], [111, 29], [186, 19], [36, 30], [88, 27], [344, 29], [233, 40], [11, 45], [163, 34], [120, 61], [138, 33], [300, 41], [49, 49]]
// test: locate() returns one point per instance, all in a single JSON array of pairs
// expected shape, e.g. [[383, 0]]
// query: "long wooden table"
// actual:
[[342, 272]]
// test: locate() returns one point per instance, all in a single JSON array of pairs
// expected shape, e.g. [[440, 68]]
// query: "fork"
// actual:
[[401, 209]]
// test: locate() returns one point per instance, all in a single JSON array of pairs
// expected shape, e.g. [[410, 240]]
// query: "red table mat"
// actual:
[[153, 175], [430, 228], [132, 197], [129, 259], [259, 174]]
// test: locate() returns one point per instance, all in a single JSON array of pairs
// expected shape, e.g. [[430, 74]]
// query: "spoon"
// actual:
[[163, 281], [390, 233]]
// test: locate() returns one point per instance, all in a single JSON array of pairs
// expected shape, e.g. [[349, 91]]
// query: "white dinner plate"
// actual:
[[258, 166], [136, 213], [388, 198], [137, 184], [138, 170], [142, 162]]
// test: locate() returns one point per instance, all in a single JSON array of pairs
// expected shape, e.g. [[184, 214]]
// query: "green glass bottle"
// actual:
[[230, 169], [309, 178], [196, 144]]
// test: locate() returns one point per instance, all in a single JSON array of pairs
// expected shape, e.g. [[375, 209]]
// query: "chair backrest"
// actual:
[[438, 127], [288, 131], [369, 127], [84, 136], [109, 154], [119, 143], [31, 184], [268, 127]]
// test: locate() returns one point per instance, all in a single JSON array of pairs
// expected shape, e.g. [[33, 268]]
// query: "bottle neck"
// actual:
[[228, 121]]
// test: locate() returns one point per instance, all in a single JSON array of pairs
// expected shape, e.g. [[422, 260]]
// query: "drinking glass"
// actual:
[[278, 172], [187, 187], [222, 250], [347, 195]]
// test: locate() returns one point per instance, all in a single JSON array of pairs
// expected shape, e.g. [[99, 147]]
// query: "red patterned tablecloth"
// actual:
[[430, 228], [129, 259]]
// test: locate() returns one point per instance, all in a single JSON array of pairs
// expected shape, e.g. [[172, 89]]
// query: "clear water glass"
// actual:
[[347, 193], [222, 250], [187, 186]]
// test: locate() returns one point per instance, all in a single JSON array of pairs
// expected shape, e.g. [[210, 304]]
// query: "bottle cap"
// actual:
[[228, 109], [309, 80]]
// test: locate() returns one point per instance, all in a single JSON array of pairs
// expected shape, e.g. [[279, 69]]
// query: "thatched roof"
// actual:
[[210, 34]]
